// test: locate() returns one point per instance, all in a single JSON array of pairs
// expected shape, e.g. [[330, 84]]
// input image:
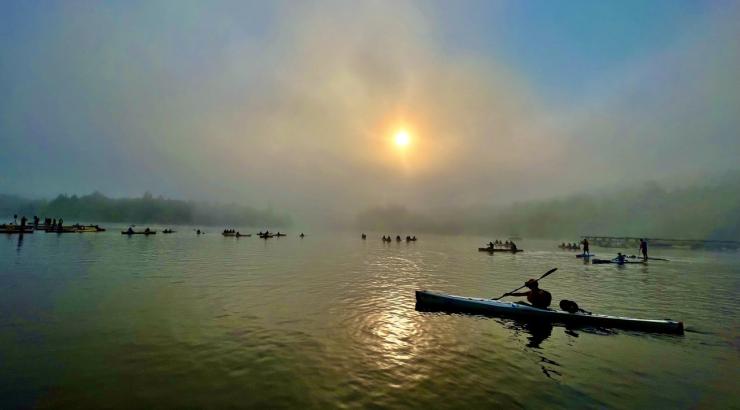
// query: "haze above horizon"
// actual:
[[332, 107]]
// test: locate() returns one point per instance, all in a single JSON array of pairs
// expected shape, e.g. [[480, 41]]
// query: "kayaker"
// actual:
[[620, 258], [643, 249], [490, 245], [130, 230], [539, 298], [512, 245], [585, 247]]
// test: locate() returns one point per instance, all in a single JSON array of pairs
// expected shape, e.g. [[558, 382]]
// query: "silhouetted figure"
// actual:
[[15, 219], [512, 245], [643, 249], [146, 230], [364, 236], [302, 235], [539, 298], [197, 232], [620, 258], [35, 222], [586, 250], [130, 230], [60, 224]]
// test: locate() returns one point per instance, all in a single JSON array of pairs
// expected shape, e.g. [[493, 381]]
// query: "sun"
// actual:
[[402, 138]]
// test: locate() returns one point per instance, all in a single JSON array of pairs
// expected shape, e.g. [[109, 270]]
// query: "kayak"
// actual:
[[18, 231], [603, 261], [460, 304], [138, 233], [88, 229], [583, 255], [492, 250], [241, 235]]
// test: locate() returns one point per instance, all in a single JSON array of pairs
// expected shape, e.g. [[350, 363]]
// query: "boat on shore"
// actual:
[[437, 301]]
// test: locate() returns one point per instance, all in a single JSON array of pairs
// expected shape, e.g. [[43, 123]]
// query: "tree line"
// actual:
[[97, 207]]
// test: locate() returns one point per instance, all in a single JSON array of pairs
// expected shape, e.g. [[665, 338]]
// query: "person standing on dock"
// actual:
[[585, 247], [643, 249]]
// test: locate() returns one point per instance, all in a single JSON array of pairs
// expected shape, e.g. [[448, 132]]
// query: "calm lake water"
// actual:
[[107, 321]]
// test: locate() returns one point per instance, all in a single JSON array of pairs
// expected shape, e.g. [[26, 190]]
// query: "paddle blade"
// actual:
[[548, 273]]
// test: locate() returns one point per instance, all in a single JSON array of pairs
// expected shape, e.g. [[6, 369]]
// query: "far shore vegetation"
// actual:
[[97, 207]]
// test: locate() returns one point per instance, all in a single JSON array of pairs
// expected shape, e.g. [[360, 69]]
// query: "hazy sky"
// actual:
[[296, 104]]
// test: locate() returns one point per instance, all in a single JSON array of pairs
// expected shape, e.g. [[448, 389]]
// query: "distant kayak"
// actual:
[[437, 301], [605, 261], [138, 233], [494, 250]]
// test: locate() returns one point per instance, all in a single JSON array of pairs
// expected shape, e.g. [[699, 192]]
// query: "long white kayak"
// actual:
[[490, 307]]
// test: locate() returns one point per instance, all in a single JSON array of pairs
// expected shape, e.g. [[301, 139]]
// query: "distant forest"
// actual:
[[96, 207], [710, 211]]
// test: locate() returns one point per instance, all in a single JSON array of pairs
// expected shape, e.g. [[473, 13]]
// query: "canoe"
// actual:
[[489, 250], [428, 300], [15, 231], [88, 229], [228, 233], [605, 261], [138, 233], [64, 229]]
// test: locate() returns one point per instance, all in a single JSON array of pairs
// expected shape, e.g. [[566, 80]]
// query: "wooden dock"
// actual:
[[634, 242]]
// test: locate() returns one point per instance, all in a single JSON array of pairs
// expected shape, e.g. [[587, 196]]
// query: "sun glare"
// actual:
[[402, 138]]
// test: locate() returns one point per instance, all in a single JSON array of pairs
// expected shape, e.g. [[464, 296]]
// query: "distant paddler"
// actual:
[[643, 249], [620, 259], [585, 247]]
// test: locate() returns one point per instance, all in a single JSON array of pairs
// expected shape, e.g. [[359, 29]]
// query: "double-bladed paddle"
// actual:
[[541, 277]]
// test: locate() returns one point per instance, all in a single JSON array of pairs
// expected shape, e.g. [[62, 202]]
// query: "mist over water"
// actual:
[[294, 106]]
